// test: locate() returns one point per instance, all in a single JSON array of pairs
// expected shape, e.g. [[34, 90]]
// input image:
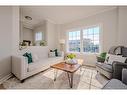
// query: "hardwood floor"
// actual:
[[1, 86]]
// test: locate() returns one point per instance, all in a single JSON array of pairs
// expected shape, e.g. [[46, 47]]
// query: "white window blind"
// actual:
[[38, 36]]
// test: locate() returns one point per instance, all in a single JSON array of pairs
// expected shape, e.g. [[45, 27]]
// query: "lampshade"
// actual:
[[62, 41]]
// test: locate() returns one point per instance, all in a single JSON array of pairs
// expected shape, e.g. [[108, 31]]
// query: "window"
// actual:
[[91, 39], [38, 36], [85, 40], [74, 41]]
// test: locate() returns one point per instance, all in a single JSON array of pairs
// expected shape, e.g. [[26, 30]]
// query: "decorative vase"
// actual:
[[71, 61]]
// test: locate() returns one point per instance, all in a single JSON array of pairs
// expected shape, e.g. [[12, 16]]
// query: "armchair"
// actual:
[[117, 69], [116, 83], [113, 70]]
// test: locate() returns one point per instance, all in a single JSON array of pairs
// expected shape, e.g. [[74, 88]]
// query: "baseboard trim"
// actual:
[[89, 65], [5, 78]]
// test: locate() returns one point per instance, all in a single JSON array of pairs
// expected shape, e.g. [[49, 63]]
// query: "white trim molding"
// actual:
[[5, 78], [100, 25]]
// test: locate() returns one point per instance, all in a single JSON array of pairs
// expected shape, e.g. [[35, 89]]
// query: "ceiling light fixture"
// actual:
[[28, 17]]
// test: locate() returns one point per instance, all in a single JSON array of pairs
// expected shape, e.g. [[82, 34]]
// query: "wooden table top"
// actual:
[[66, 67]]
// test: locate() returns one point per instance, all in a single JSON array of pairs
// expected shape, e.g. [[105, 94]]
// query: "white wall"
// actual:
[[15, 32], [9, 37], [28, 34], [49, 30], [108, 22], [122, 23], [52, 37], [58, 37], [40, 28], [49, 33], [114, 30], [106, 19], [114, 25], [21, 31]]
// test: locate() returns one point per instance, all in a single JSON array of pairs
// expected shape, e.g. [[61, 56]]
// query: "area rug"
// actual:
[[87, 78]]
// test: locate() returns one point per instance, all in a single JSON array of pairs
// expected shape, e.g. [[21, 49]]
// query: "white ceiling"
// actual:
[[58, 14]]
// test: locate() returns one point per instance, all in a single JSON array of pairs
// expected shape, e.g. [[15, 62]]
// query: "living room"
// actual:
[[82, 32]]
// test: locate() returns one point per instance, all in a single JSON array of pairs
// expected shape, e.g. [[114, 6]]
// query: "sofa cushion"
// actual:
[[52, 54], [115, 84], [41, 52], [113, 58], [44, 63], [59, 54], [124, 75], [56, 52], [107, 58], [106, 67], [35, 57], [36, 65], [124, 52]]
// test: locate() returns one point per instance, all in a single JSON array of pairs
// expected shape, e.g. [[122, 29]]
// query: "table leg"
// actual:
[[55, 74], [70, 78]]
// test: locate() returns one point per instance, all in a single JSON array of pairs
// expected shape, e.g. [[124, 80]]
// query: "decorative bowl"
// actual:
[[71, 61]]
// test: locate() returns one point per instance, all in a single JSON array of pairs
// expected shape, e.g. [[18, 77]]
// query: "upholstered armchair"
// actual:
[[116, 83], [113, 70]]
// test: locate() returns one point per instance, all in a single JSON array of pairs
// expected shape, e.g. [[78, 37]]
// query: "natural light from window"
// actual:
[[84, 40], [91, 39], [74, 41], [38, 36]]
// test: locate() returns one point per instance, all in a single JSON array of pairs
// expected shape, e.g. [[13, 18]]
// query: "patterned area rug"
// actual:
[[87, 78]]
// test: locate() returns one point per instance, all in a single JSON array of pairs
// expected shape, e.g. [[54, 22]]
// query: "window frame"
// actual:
[[81, 38], [67, 40], [41, 36]]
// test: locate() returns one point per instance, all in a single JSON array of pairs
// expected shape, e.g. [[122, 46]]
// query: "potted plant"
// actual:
[[102, 57], [42, 43], [71, 59]]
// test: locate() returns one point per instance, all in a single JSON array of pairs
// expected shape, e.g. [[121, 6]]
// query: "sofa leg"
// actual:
[[22, 81]]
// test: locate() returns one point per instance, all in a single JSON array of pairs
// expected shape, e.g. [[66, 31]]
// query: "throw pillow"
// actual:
[[107, 58], [35, 58], [52, 54], [59, 53], [29, 56], [56, 52], [25, 55], [113, 58]]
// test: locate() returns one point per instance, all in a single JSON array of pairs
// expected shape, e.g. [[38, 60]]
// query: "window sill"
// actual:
[[84, 53], [74, 52]]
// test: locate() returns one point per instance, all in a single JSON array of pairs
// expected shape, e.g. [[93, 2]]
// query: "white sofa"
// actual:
[[22, 70]]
